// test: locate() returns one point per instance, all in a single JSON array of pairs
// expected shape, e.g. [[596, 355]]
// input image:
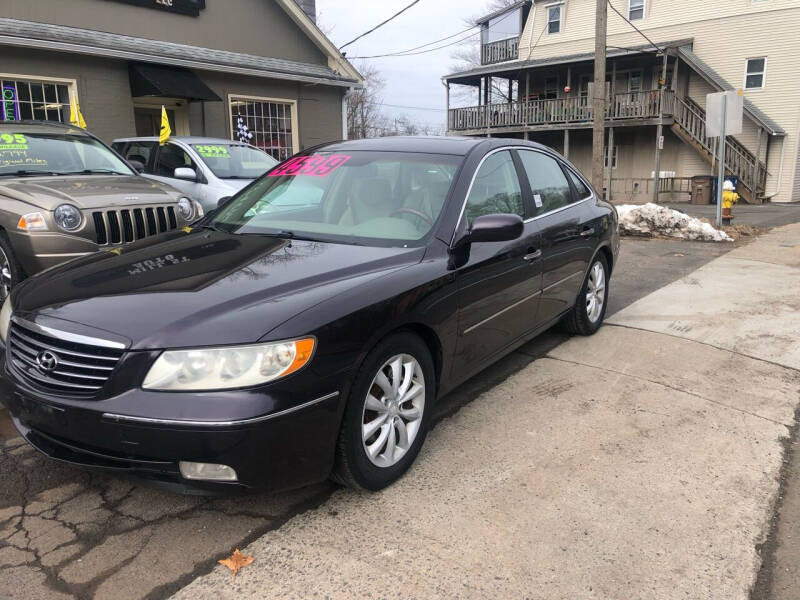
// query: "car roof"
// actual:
[[42, 127], [454, 145], [186, 139]]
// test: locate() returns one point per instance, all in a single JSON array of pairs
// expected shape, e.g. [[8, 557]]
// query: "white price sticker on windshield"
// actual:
[[538, 200]]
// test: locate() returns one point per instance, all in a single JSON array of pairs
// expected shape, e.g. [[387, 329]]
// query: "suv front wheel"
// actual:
[[10, 271]]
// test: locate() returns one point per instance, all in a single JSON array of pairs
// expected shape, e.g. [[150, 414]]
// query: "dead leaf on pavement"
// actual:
[[236, 561]]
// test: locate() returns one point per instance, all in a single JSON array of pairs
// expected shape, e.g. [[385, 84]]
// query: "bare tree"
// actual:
[[468, 56], [364, 118]]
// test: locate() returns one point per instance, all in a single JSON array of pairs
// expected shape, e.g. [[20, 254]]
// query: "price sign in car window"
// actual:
[[13, 141], [318, 165], [208, 151]]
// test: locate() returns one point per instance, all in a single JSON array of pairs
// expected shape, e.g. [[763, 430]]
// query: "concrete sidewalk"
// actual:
[[643, 462]]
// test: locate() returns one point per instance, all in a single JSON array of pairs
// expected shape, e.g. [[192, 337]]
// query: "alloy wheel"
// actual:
[[5, 275], [393, 410], [595, 292]]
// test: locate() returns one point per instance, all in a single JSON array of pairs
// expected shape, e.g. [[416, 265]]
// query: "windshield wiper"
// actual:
[[94, 172], [28, 173]]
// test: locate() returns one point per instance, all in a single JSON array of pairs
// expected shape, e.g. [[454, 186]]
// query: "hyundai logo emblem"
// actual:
[[47, 361]]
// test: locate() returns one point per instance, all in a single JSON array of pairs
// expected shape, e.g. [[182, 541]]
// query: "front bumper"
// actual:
[[288, 447]]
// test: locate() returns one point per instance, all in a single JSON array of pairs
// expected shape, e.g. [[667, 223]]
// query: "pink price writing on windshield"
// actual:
[[317, 165]]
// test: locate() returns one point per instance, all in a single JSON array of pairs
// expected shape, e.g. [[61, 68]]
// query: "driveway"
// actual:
[[560, 463]]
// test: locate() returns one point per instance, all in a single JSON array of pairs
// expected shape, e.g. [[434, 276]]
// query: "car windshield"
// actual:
[[235, 161], [369, 198], [56, 154]]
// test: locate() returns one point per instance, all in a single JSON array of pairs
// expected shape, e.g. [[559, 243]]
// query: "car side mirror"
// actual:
[[137, 165], [495, 228], [185, 173]]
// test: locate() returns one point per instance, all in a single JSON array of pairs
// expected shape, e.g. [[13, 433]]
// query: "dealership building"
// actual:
[[216, 65]]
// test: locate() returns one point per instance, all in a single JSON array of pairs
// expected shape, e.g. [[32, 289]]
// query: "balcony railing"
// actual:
[[496, 52], [560, 111]]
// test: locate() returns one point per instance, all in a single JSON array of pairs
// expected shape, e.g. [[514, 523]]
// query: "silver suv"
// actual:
[[65, 194], [205, 169]]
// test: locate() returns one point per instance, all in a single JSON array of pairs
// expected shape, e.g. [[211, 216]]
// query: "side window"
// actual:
[[581, 190], [548, 182], [496, 188], [170, 157], [140, 151]]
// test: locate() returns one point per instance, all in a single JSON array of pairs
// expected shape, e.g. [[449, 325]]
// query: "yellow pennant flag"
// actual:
[[166, 131], [75, 115]]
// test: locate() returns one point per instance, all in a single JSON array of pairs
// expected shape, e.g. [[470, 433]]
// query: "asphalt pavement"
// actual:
[[89, 535]]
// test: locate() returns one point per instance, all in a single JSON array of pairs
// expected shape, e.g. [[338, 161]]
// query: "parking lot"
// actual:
[[69, 533]]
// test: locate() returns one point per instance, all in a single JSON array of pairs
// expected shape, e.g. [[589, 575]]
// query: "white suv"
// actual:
[[205, 169]]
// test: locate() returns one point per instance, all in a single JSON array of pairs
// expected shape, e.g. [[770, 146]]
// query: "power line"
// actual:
[[400, 52], [394, 16], [409, 53], [414, 107], [639, 31]]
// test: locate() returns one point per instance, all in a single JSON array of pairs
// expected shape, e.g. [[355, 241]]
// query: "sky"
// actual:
[[413, 81]]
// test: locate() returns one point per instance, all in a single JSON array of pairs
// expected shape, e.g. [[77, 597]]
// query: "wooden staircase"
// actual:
[[690, 126]]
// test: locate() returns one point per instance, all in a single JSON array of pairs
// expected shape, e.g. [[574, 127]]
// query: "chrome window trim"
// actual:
[[590, 198], [497, 314], [67, 336], [152, 421]]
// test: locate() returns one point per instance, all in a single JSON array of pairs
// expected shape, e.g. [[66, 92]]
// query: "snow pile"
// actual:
[[652, 219]]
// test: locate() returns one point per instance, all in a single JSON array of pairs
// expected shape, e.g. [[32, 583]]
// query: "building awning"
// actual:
[[168, 82]]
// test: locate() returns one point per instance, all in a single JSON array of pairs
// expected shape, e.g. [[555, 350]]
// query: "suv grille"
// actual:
[[81, 369], [131, 224]]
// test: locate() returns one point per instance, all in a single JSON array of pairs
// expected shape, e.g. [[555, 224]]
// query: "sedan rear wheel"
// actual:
[[387, 413], [587, 315]]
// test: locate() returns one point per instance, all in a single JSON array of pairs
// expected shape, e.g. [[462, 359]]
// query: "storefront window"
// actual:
[[40, 100], [263, 123]]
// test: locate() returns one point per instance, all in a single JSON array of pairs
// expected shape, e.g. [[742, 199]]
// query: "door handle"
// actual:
[[587, 232], [532, 256]]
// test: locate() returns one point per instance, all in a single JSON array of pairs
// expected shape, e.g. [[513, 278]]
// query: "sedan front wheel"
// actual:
[[387, 414]]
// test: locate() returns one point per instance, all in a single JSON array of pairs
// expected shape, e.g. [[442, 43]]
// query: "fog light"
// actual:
[[207, 471]]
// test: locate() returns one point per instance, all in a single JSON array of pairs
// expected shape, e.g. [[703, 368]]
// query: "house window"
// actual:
[[635, 9], [613, 156], [507, 25], [265, 123], [755, 73], [43, 100], [634, 81], [550, 87], [554, 16]]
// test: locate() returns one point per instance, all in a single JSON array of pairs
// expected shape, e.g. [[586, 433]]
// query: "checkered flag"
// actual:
[[243, 132]]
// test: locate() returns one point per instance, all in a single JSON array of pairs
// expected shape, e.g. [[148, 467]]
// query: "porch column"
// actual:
[[566, 144], [510, 90], [447, 93], [609, 163], [757, 166], [487, 84]]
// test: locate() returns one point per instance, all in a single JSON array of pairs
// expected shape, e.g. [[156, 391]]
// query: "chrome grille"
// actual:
[[122, 226], [82, 369]]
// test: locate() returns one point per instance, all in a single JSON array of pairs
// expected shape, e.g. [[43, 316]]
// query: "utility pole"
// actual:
[[599, 98]]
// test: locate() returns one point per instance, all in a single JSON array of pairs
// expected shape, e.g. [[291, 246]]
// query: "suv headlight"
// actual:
[[186, 209], [5, 319], [67, 217], [226, 368]]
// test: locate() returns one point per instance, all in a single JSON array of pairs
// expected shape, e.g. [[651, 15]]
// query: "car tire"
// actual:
[[587, 315], [372, 460], [10, 271]]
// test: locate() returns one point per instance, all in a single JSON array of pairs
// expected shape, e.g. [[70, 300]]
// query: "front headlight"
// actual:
[[185, 209], [67, 217], [5, 319], [227, 368]]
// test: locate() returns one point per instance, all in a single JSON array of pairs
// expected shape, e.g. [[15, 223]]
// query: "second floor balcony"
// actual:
[[560, 113], [501, 51]]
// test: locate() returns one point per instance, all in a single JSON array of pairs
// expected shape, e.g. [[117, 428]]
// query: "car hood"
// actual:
[[199, 288], [237, 184], [88, 191]]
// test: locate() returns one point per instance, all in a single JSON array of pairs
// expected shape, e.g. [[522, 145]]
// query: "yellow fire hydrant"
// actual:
[[729, 198]]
